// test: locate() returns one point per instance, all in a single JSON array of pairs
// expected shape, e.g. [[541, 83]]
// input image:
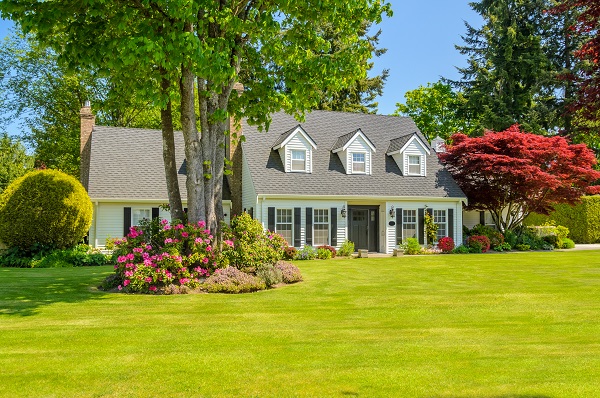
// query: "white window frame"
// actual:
[[278, 223], [408, 164], [326, 223], [413, 214], [364, 162], [296, 151], [438, 216], [138, 210]]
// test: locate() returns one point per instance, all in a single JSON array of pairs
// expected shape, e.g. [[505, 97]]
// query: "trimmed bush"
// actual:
[[78, 256], [522, 247], [347, 249], [481, 243], [582, 220], [568, 244], [323, 254], [462, 249], [412, 246], [330, 248], [289, 272], [232, 280], [44, 207], [446, 244]]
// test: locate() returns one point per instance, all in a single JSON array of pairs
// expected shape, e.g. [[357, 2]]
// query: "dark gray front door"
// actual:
[[363, 227]]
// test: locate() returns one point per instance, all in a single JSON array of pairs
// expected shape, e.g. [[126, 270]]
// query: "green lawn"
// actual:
[[521, 325]]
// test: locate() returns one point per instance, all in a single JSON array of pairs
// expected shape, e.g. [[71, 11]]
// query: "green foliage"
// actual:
[[412, 246], [45, 207], [250, 245], [582, 220], [14, 161], [307, 253], [522, 247], [431, 229], [78, 256], [434, 110], [330, 248], [232, 280], [270, 275], [346, 249], [503, 247], [568, 244], [496, 238], [511, 238], [290, 273], [462, 249], [323, 254], [290, 253]]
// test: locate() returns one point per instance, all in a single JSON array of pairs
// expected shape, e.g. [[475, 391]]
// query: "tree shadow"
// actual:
[[24, 292]]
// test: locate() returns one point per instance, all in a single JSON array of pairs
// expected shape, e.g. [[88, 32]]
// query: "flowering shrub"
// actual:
[[232, 280], [446, 244], [307, 253], [290, 273], [248, 245], [290, 253], [180, 255], [479, 241], [496, 238], [330, 248]]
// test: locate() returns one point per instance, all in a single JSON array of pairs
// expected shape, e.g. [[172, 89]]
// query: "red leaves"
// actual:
[[530, 171]]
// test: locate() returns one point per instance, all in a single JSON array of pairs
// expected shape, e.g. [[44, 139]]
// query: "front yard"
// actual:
[[495, 325]]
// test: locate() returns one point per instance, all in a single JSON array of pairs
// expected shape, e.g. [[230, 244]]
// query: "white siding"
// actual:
[[298, 142], [358, 146], [415, 205], [414, 148], [399, 158], [248, 190], [262, 215]]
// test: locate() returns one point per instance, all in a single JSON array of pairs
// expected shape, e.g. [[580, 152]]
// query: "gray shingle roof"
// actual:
[[127, 163], [397, 143], [285, 135], [328, 176], [343, 140]]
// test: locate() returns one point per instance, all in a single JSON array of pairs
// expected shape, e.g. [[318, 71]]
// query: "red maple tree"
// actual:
[[513, 173], [587, 26]]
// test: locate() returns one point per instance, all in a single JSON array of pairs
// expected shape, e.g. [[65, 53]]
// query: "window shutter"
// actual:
[[271, 219], [309, 225], [155, 212], [126, 220], [333, 219], [421, 229], [398, 226], [297, 226], [251, 212], [451, 223], [482, 217]]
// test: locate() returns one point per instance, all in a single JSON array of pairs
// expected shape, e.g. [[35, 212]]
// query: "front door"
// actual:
[[363, 227]]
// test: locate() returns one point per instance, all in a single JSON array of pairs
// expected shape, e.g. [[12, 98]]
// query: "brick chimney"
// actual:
[[87, 120], [235, 155]]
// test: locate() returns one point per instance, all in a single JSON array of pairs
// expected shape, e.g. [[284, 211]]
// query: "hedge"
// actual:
[[583, 220]]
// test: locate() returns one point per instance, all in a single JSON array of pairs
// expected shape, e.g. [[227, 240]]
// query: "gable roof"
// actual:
[[400, 144], [345, 140], [328, 177], [127, 163], [288, 135]]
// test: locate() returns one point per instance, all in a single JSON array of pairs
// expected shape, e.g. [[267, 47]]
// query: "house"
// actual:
[[335, 176]]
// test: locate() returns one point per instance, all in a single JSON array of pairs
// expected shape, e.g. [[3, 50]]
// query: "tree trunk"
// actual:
[[170, 162]]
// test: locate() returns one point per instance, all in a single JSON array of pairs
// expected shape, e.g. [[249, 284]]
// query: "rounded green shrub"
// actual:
[[44, 208], [568, 244]]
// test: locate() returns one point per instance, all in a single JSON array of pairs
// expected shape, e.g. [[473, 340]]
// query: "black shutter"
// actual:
[[297, 226], [126, 220], [421, 229], [185, 210], [251, 212], [451, 223], [482, 217], [271, 219], [309, 225], [155, 212], [398, 226], [334, 226]]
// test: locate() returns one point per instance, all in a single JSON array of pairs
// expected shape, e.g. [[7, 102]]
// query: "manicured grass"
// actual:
[[497, 325]]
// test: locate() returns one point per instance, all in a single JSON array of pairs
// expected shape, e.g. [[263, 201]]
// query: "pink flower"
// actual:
[[168, 240], [206, 240], [164, 222], [148, 279], [152, 288], [121, 259], [229, 243], [166, 227], [183, 281], [126, 282], [208, 248], [198, 240], [205, 260], [210, 236], [179, 226], [185, 234], [138, 249], [120, 287], [148, 247], [201, 224], [207, 231], [128, 273]]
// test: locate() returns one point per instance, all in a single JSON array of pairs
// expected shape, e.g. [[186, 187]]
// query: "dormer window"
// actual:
[[414, 165], [358, 163], [298, 160]]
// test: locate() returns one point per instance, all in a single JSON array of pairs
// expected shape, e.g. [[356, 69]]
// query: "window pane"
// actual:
[[139, 214], [409, 224], [358, 157], [298, 160], [283, 225], [358, 162], [320, 227], [439, 217], [414, 164]]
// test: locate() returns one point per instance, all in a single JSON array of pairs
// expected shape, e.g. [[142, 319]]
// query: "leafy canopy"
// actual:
[[513, 173]]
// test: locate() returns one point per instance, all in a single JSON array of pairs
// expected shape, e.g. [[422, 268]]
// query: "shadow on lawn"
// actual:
[[24, 291]]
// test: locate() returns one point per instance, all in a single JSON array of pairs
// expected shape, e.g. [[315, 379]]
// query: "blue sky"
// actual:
[[420, 39]]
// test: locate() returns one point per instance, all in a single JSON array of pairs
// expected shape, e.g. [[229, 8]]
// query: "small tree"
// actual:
[[512, 173], [431, 229]]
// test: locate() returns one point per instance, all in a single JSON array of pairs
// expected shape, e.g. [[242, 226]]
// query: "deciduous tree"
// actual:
[[14, 160], [513, 173]]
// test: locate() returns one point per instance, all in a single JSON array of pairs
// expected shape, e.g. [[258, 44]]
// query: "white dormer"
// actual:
[[295, 148], [410, 154], [355, 151]]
